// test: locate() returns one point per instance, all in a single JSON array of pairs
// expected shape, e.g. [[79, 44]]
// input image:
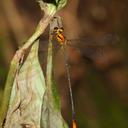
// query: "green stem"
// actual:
[[40, 29]]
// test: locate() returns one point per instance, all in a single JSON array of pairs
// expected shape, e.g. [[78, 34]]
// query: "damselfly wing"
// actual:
[[88, 46]]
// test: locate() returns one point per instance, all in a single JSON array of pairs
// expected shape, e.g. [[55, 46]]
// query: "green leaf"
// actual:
[[52, 6], [8, 88], [27, 93]]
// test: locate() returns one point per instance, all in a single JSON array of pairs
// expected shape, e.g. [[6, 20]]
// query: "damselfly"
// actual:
[[57, 33]]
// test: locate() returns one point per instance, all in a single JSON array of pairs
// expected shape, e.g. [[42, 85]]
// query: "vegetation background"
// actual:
[[99, 81]]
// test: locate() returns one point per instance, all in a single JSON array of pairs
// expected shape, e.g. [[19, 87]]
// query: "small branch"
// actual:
[[40, 29]]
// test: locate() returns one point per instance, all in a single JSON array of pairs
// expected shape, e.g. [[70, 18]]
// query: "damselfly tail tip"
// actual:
[[74, 124]]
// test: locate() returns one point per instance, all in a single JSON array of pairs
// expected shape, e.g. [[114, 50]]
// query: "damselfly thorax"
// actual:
[[58, 32]]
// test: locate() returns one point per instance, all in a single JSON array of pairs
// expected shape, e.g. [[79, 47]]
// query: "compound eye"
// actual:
[[61, 30], [56, 28]]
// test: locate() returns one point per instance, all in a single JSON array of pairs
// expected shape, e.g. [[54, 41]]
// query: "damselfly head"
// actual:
[[58, 30]]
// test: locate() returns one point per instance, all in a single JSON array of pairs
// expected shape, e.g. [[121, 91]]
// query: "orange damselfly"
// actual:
[[62, 40], [57, 32]]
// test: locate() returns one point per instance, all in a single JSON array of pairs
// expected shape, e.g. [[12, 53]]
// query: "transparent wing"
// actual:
[[88, 46], [106, 40], [93, 47]]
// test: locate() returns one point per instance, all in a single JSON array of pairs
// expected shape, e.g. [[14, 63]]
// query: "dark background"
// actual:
[[99, 79]]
